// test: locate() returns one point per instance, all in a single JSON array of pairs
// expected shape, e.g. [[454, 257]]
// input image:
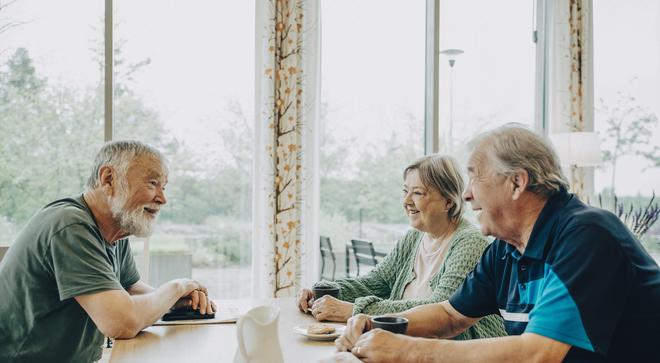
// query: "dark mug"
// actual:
[[325, 290], [394, 324]]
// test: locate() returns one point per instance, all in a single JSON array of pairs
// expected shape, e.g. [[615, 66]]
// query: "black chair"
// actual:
[[327, 253], [3, 251], [364, 253]]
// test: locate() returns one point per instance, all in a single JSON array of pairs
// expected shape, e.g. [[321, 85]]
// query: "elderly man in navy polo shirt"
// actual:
[[571, 282]]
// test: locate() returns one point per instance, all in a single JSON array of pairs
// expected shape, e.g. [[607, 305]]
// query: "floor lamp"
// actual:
[[452, 54]]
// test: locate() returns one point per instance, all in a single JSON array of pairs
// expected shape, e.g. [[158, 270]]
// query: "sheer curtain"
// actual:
[[571, 82], [285, 245]]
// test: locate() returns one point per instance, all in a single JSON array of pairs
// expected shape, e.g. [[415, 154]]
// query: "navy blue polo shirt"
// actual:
[[583, 279]]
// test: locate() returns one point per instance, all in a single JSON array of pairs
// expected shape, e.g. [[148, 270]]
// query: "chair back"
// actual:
[[364, 252], [327, 254], [3, 250]]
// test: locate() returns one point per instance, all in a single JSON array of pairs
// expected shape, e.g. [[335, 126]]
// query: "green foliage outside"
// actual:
[[49, 133], [45, 134], [629, 131], [363, 199]]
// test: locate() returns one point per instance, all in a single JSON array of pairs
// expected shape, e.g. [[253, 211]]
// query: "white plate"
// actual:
[[302, 330]]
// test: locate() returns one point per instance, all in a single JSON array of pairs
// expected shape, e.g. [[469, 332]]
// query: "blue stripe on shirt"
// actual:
[[530, 291], [556, 315]]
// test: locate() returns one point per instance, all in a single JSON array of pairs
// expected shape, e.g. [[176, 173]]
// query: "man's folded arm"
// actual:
[[439, 320], [119, 314], [443, 321], [140, 288], [527, 348]]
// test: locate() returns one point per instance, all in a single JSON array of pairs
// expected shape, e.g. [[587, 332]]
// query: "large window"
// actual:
[[487, 70], [627, 102], [51, 105], [372, 116], [184, 80], [486, 73], [186, 83]]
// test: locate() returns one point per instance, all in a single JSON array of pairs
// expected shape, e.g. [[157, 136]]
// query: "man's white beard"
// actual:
[[134, 222]]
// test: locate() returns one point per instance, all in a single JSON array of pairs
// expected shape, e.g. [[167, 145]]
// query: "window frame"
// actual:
[[539, 35], [542, 27]]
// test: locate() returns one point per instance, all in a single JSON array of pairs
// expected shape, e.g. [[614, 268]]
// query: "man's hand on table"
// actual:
[[379, 345], [355, 327], [195, 296], [375, 345], [343, 357]]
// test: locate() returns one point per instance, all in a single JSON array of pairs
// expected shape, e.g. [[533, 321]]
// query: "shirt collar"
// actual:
[[509, 250], [544, 224]]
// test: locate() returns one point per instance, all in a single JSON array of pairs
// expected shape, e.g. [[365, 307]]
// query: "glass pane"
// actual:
[[487, 61], [185, 83], [487, 65], [372, 117], [627, 102], [51, 105]]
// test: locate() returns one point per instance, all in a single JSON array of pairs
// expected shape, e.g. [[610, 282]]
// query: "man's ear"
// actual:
[[519, 183], [107, 179]]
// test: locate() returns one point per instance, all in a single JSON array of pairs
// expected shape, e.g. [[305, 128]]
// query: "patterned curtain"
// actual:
[[577, 72], [285, 243], [571, 83], [578, 85]]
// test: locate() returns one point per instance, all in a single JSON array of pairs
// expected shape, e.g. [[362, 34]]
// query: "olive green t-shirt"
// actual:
[[58, 255]]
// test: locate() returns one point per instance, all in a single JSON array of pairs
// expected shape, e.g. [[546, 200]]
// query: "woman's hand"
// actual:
[[331, 309], [305, 299]]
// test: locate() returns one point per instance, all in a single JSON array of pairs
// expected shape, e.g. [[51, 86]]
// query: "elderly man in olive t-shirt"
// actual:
[[69, 278]]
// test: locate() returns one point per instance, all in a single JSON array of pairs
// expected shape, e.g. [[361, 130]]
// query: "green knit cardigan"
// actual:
[[381, 290]]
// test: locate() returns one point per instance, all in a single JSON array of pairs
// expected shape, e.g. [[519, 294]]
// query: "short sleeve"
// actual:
[[129, 272], [475, 297], [80, 263], [586, 285]]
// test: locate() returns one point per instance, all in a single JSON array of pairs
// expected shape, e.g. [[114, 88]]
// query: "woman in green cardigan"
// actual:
[[427, 265]]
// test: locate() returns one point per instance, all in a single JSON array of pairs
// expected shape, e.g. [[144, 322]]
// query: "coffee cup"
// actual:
[[394, 324], [325, 290]]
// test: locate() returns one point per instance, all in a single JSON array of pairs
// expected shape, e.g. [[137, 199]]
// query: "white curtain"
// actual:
[[286, 184], [571, 77]]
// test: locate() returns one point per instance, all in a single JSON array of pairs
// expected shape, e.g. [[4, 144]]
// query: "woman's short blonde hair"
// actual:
[[441, 173]]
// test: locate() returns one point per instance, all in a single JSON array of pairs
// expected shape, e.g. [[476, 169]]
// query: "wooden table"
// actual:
[[217, 342]]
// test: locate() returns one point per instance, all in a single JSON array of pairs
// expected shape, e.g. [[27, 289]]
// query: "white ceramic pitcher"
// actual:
[[258, 340]]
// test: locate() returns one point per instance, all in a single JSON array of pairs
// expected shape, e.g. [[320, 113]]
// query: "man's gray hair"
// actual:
[[441, 173], [119, 155], [512, 147]]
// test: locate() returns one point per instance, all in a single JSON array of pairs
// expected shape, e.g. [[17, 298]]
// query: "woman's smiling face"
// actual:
[[423, 206]]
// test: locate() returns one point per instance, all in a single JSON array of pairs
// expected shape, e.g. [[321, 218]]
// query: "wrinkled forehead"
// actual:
[[478, 161], [414, 180], [149, 166]]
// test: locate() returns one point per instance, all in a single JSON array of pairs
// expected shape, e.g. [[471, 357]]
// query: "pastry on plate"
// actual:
[[320, 329]]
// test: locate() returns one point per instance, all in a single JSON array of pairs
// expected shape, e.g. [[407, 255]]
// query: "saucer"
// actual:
[[302, 330]]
